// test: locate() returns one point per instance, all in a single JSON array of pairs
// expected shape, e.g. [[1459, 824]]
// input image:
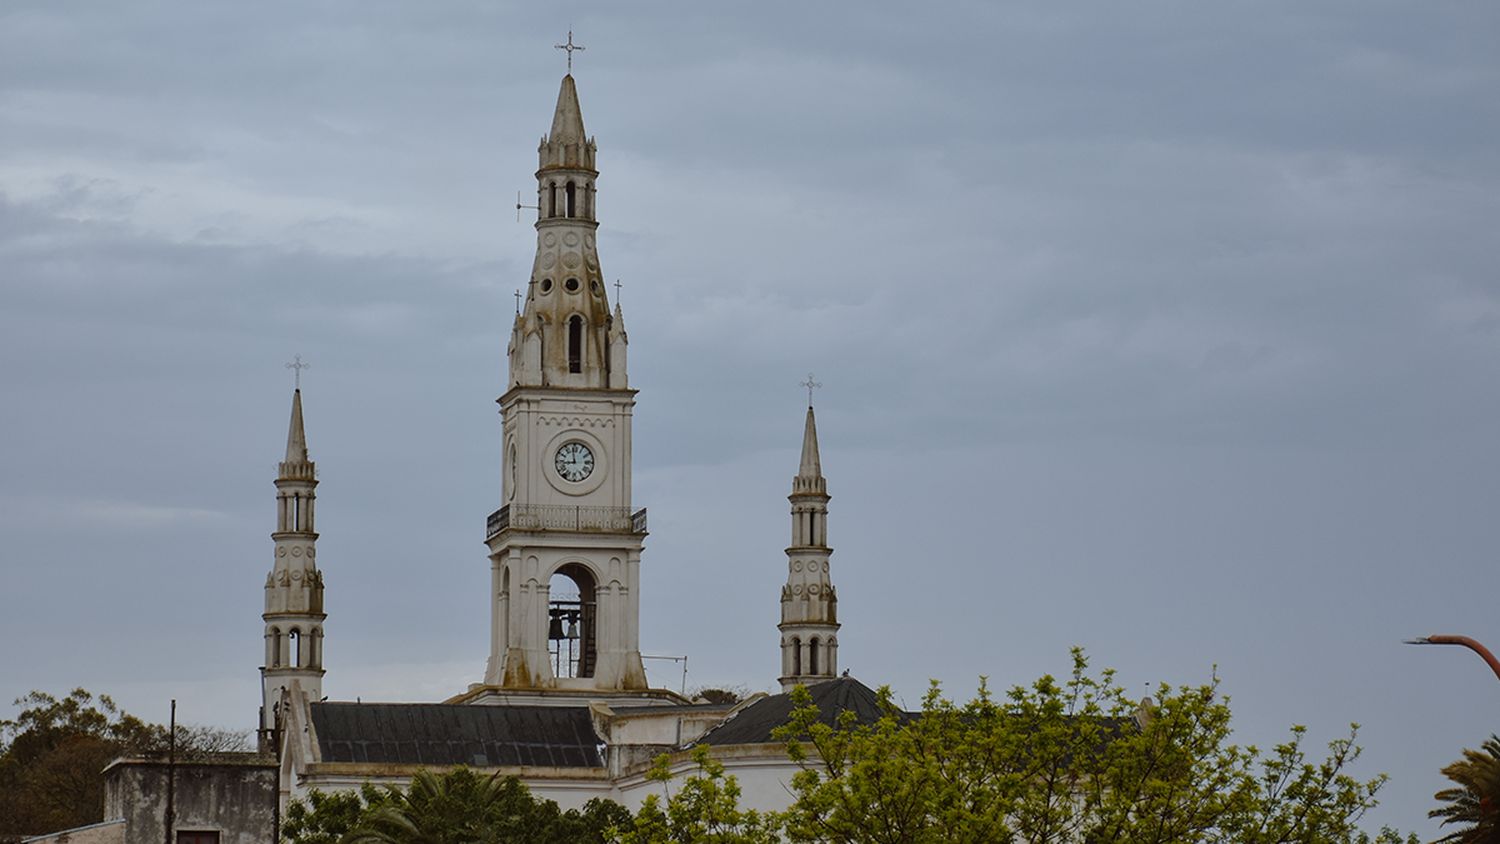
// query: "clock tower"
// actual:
[[565, 547]]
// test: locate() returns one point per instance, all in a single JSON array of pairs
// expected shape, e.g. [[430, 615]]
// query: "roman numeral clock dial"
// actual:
[[574, 462]]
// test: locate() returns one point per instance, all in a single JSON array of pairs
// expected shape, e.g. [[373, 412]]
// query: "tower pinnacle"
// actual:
[[811, 469], [296, 439], [567, 118]]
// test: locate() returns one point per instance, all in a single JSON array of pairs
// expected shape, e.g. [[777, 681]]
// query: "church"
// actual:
[[564, 701]]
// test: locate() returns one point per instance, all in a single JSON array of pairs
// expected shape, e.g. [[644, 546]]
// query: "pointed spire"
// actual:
[[296, 440], [811, 467], [567, 146], [567, 120]]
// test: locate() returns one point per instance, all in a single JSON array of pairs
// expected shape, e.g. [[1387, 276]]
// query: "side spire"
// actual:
[[809, 602], [292, 673]]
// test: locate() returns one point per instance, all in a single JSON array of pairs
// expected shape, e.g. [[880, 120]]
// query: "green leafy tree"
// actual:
[[53, 754], [705, 809], [1475, 799], [458, 805], [326, 817], [726, 694], [1075, 761]]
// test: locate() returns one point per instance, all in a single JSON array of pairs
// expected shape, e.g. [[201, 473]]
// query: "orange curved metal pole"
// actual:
[[1484, 653]]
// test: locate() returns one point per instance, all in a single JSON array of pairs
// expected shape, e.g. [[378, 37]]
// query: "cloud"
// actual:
[[1166, 330]]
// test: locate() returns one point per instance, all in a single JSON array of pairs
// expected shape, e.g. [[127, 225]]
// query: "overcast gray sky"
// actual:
[[1168, 329]]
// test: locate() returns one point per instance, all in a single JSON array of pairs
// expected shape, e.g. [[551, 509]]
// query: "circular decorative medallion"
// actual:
[[281, 552], [588, 241], [297, 552], [570, 260], [550, 239], [571, 238], [797, 590], [548, 261], [813, 589], [593, 260], [797, 565]]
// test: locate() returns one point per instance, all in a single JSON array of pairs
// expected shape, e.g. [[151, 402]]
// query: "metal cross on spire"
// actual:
[[618, 285], [570, 47], [811, 385], [297, 366], [518, 301]]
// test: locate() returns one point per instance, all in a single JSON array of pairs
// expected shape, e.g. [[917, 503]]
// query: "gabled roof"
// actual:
[[754, 723], [453, 734]]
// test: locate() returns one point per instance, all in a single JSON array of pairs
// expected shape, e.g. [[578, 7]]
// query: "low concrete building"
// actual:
[[230, 798]]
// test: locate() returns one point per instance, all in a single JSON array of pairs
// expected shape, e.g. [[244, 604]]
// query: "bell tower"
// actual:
[[809, 602], [294, 589], [565, 549]]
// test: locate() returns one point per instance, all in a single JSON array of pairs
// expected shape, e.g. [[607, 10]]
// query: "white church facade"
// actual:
[[564, 701]]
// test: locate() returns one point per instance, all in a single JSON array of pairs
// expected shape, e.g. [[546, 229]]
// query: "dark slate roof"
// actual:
[[754, 723], [455, 734]]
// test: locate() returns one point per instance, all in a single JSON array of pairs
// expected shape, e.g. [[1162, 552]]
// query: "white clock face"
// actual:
[[574, 462]]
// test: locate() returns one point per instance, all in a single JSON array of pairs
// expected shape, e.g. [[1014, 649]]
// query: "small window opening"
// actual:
[[572, 196], [575, 344], [552, 200], [812, 656], [571, 285], [546, 285], [294, 648], [796, 656]]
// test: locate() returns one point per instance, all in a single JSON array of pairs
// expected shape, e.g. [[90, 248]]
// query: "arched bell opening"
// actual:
[[572, 612]]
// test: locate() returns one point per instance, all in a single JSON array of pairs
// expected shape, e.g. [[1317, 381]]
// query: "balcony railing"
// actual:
[[565, 517]]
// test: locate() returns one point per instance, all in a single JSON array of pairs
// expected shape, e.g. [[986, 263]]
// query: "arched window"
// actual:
[[294, 648], [572, 198], [552, 199], [504, 599], [796, 657], [571, 612], [275, 661], [575, 343], [812, 655]]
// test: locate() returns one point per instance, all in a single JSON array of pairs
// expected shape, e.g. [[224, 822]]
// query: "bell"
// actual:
[[572, 627], [555, 629]]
